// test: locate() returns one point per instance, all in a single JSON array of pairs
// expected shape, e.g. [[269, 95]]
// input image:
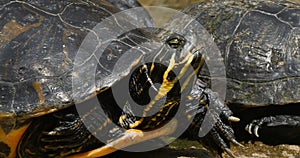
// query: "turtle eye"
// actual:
[[176, 41]]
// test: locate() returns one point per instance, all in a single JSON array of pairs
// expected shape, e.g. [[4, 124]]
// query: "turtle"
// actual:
[[259, 41], [46, 97]]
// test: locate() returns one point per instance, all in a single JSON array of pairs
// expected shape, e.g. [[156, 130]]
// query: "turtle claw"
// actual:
[[218, 116], [256, 131], [252, 129], [223, 134], [237, 143], [272, 121], [233, 119], [248, 128], [229, 152]]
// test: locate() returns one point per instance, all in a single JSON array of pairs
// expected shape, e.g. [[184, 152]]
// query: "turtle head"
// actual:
[[176, 53], [185, 43]]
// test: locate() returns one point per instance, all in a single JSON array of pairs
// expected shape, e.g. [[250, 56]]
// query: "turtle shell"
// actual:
[[39, 42], [259, 41]]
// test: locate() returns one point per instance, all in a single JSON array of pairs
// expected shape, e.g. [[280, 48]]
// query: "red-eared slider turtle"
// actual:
[[38, 45], [259, 41]]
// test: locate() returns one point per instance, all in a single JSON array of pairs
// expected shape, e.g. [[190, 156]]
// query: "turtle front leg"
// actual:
[[272, 121], [130, 137], [212, 116]]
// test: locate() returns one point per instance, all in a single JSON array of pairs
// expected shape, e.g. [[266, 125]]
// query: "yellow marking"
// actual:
[[13, 29], [163, 55], [106, 122], [130, 137], [192, 74], [168, 85], [153, 61], [6, 115], [186, 58], [189, 97], [39, 90], [185, 67], [202, 101], [137, 61], [136, 123], [169, 109], [12, 139], [158, 123], [163, 90], [152, 68], [40, 112], [121, 119]]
